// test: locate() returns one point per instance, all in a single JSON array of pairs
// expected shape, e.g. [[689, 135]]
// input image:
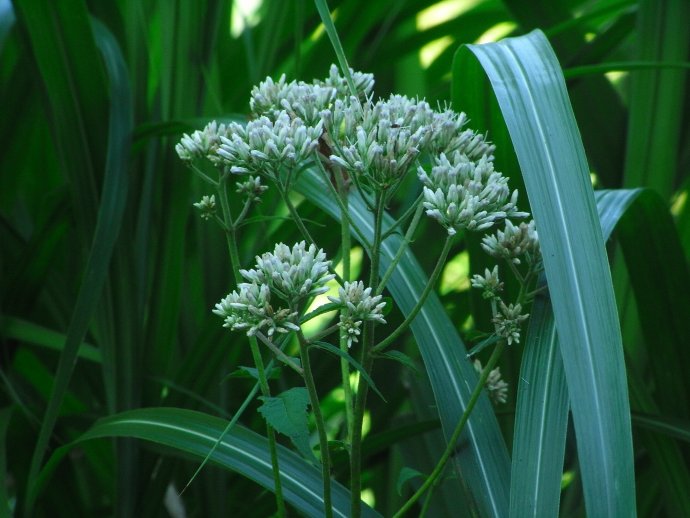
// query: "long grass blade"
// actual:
[[528, 83], [241, 450], [110, 214]]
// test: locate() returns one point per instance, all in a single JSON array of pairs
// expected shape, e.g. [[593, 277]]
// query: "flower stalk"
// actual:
[[231, 238]]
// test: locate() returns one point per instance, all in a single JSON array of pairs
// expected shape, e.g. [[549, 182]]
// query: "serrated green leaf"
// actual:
[[287, 413]]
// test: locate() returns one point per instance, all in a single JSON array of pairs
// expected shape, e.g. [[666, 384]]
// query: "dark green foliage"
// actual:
[[108, 276]]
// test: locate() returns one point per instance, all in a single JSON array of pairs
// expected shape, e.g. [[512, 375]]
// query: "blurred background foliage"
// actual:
[[107, 277]]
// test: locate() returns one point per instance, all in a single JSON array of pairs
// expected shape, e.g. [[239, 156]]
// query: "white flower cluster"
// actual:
[[364, 83], [249, 308], [378, 142], [289, 274], [292, 274], [489, 283], [449, 137], [358, 305], [201, 143], [514, 242], [464, 194], [207, 206], [495, 386], [264, 146], [508, 320], [297, 98], [305, 100]]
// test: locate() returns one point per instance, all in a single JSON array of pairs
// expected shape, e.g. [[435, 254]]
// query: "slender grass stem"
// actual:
[[320, 424], [412, 209], [401, 251], [422, 298], [340, 196], [345, 247], [296, 217], [319, 311], [300, 225], [280, 354], [367, 362], [450, 447], [205, 177], [231, 239], [324, 333]]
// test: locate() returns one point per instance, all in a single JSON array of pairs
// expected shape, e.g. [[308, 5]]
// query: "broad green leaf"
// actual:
[[287, 413], [529, 86], [241, 450]]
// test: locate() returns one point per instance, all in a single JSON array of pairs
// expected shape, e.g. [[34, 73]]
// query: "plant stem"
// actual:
[[296, 217], [320, 425], [412, 209], [345, 247], [422, 299], [405, 244], [280, 354], [367, 362], [231, 238], [450, 447]]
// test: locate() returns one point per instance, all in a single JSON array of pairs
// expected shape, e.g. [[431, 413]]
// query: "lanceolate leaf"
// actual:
[[241, 450], [530, 90]]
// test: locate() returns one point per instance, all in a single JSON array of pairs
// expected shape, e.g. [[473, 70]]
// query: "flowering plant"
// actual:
[[362, 147]]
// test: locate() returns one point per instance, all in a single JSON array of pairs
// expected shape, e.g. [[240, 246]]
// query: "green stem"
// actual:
[[341, 198], [367, 362], [245, 209], [345, 246], [401, 250], [296, 217], [231, 239], [412, 209], [325, 308], [205, 177], [320, 425], [324, 333], [450, 447], [280, 354], [422, 299]]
